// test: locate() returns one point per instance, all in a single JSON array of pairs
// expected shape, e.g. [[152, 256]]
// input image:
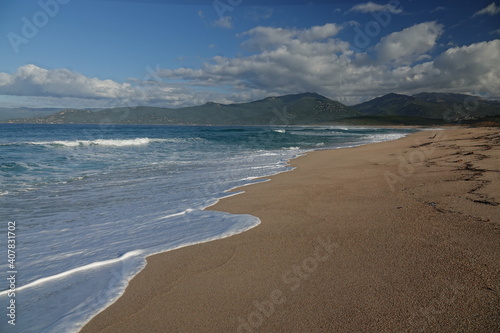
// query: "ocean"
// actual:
[[83, 205]]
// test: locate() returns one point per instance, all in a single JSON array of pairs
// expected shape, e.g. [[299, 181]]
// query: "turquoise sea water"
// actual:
[[91, 202]]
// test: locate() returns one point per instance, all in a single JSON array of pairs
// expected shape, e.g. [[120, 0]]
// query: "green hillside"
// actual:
[[440, 106], [298, 109]]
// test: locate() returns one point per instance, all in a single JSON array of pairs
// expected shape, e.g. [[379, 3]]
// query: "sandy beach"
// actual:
[[399, 236]]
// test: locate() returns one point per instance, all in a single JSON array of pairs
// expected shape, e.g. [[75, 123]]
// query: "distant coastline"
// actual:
[[424, 109]]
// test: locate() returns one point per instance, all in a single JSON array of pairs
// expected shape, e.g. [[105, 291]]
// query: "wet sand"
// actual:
[[400, 236]]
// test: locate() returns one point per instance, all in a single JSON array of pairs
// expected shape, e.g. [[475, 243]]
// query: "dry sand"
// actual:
[[399, 236]]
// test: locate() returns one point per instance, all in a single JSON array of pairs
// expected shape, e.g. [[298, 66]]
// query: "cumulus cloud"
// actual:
[[410, 44], [74, 89], [265, 38], [30, 80], [469, 66], [224, 22], [466, 69], [5, 79], [375, 7], [491, 9], [294, 60], [286, 60], [283, 61]]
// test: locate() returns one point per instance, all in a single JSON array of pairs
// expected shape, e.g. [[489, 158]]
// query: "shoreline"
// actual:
[[324, 226]]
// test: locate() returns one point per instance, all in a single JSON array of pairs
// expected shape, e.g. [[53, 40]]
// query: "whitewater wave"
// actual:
[[76, 270], [103, 142], [384, 137], [98, 142], [323, 133]]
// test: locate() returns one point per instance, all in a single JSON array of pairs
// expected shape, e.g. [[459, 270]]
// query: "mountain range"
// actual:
[[296, 109], [14, 113]]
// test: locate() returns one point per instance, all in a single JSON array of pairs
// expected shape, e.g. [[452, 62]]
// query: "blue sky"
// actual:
[[105, 53]]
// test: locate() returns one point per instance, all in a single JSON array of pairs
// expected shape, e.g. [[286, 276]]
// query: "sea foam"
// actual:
[[98, 142], [91, 203]]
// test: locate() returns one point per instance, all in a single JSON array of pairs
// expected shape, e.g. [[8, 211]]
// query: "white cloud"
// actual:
[[282, 61], [410, 44], [259, 13], [5, 79], [438, 8], [30, 80], [265, 38], [37, 84], [224, 22], [375, 7], [319, 32], [291, 61], [491, 9], [470, 66]]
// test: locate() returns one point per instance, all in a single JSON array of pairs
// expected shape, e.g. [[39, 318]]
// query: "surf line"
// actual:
[[76, 270]]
